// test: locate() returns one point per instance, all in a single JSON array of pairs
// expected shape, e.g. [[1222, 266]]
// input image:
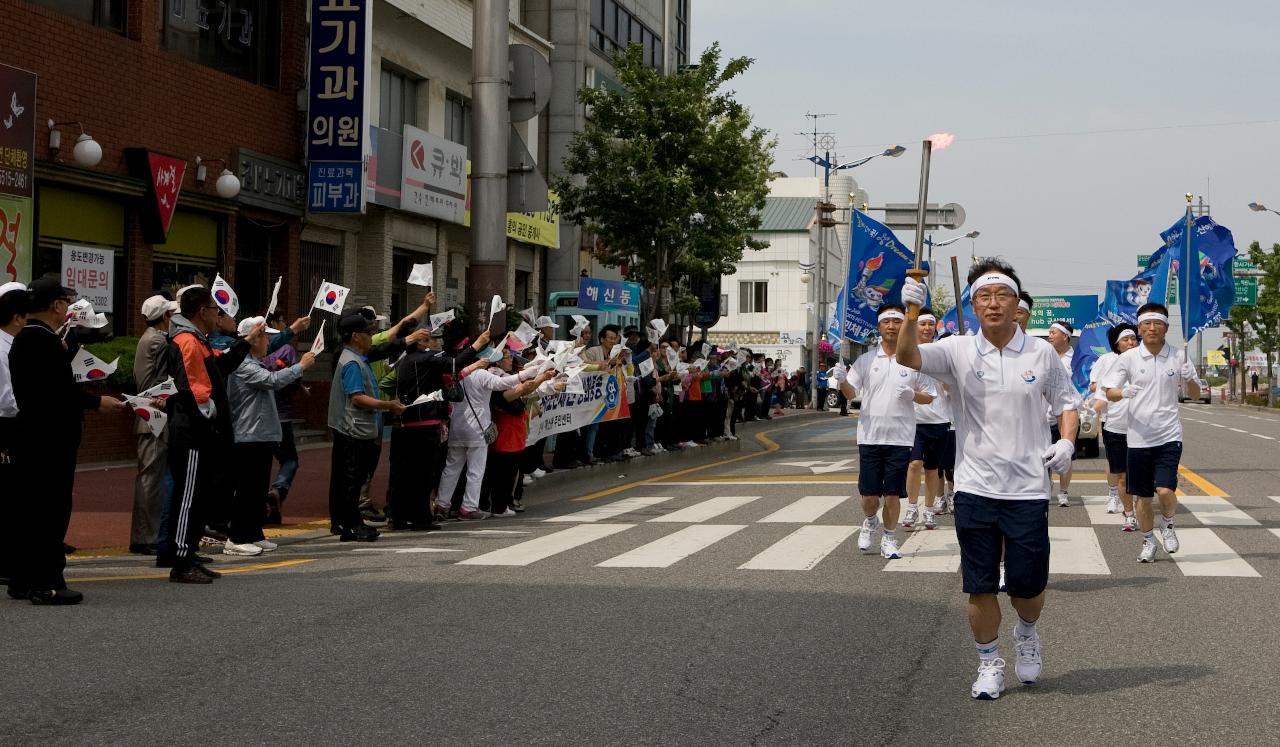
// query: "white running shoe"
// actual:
[[1130, 523], [950, 497], [266, 545], [1063, 500], [508, 512], [909, 520], [1169, 537], [1113, 504], [527, 480], [1027, 666], [732, 438], [929, 521], [1148, 554], [990, 682], [867, 536], [538, 473], [1002, 586], [940, 506], [247, 549], [889, 548]]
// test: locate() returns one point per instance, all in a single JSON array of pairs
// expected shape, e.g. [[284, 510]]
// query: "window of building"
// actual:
[[753, 297], [682, 32], [66, 217], [256, 243], [107, 14], [397, 99], [319, 262], [238, 37], [613, 27], [457, 118], [523, 280]]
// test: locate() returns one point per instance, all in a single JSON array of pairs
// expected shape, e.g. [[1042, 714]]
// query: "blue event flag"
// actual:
[[877, 267], [1206, 296]]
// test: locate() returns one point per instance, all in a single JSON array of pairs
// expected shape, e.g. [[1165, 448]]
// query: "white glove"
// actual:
[[837, 375], [913, 292], [1058, 457], [1130, 391], [905, 392]]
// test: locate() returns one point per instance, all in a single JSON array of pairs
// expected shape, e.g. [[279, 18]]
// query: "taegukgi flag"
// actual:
[[331, 297], [224, 296]]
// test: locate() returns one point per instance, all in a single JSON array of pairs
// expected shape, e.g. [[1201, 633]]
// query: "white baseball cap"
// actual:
[[246, 326], [12, 286], [155, 307], [545, 321]]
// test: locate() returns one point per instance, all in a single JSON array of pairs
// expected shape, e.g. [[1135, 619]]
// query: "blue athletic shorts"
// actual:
[[949, 455], [931, 443], [882, 470], [985, 526], [1153, 467], [1117, 445]]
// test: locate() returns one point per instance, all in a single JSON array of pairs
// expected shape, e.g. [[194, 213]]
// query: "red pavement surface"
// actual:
[[103, 503]]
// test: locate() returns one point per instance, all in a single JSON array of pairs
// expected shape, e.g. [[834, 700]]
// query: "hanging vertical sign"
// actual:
[[164, 174], [337, 104], [17, 131]]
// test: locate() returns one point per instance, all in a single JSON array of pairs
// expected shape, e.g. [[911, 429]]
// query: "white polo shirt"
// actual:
[[1153, 413], [998, 399], [1066, 359], [938, 411], [883, 419], [1116, 414]]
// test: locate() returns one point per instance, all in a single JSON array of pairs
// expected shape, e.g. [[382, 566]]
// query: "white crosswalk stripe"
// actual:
[[611, 510], [1076, 550], [708, 509], [1203, 553], [802, 549], [544, 547], [1096, 507], [673, 548], [806, 510], [929, 551], [1216, 512]]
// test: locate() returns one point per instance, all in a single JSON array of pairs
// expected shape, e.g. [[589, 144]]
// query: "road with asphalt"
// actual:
[[713, 597]]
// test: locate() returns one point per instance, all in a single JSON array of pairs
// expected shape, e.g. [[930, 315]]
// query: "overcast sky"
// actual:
[[1007, 78]]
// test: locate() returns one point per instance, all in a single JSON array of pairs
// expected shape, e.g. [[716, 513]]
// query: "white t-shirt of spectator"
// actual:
[[1153, 413], [1116, 414], [998, 399], [883, 419]]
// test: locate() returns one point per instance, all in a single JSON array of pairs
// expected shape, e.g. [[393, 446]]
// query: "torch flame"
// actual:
[[941, 140]]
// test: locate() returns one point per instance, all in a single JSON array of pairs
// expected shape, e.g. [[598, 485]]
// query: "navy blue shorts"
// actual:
[[931, 442], [1117, 445], [882, 470], [1153, 467], [985, 527], [949, 454]]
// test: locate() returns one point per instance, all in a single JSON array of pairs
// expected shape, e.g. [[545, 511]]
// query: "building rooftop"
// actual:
[[786, 214]]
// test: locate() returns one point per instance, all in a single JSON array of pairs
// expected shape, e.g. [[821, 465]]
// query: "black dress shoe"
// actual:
[[136, 549], [17, 592], [68, 549], [361, 533], [56, 597], [189, 575], [206, 570]]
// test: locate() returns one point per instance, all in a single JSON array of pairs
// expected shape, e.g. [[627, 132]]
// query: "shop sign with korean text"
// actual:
[[17, 131], [89, 271], [608, 295], [338, 104], [433, 176]]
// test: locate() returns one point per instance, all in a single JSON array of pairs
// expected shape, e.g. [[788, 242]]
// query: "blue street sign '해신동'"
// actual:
[[608, 295]]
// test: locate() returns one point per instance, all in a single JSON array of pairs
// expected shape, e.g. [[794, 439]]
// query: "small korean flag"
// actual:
[[331, 297], [226, 298]]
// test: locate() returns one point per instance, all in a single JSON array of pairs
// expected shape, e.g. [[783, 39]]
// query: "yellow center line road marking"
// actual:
[[1200, 482], [224, 571], [769, 446]]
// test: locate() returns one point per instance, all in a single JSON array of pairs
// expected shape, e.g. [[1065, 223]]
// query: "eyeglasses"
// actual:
[[211, 306], [1002, 296]]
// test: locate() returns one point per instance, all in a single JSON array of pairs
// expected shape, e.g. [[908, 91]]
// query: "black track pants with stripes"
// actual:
[[194, 482]]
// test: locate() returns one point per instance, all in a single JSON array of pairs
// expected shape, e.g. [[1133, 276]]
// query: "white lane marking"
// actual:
[[1237, 430], [1275, 498], [484, 531], [1218, 425], [804, 511], [610, 510], [1213, 511], [402, 550], [1203, 553], [708, 509], [673, 548], [1076, 550], [1096, 507], [539, 548], [1259, 435], [802, 549], [930, 551]]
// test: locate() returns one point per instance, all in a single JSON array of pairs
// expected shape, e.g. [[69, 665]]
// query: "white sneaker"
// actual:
[[1027, 666], [1063, 500], [1113, 504], [508, 512], [940, 506], [1169, 537], [949, 495], [538, 473], [866, 537], [527, 480], [929, 521], [889, 548], [630, 452], [1148, 554], [1130, 523], [266, 545], [1002, 587], [909, 520], [990, 682], [732, 438], [247, 549]]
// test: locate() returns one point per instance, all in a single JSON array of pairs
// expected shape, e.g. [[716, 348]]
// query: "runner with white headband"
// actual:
[[1150, 377], [1023, 314], [886, 428], [1060, 332], [932, 423], [1115, 423], [1001, 381]]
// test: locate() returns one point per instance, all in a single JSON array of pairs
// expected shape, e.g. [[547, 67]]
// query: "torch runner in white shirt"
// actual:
[[933, 423], [1115, 423], [886, 427], [1150, 377], [1000, 381]]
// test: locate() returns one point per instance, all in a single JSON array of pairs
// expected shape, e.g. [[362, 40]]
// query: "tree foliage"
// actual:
[[1265, 319], [669, 175]]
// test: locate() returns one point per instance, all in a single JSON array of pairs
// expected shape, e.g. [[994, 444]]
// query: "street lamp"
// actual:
[[1259, 208]]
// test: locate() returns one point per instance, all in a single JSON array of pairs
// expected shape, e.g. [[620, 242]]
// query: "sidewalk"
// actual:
[[103, 499]]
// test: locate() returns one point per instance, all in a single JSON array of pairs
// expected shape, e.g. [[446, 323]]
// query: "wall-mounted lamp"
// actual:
[[228, 184], [86, 152]]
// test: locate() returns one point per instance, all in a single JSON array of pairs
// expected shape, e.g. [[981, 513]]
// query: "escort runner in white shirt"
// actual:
[[1001, 381], [1115, 423], [886, 427], [933, 423], [1060, 332], [1151, 376]]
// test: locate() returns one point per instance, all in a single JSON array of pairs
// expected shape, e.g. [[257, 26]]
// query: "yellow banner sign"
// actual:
[[1215, 358], [541, 228]]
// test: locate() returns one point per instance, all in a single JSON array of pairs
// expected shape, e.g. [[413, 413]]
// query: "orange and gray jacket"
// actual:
[[200, 413]]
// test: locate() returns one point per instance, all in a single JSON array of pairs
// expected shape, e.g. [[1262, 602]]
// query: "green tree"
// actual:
[[940, 298], [1266, 317], [668, 174], [1242, 317]]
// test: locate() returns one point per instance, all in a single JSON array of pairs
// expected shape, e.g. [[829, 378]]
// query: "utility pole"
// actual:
[[487, 275], [816, 135]]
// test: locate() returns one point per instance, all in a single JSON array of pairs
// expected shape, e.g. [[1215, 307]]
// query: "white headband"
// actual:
[[1125, 333], [1060, 328], [1153, 316], [1024, 306], [927, 318], [993, 278], [890, 314]]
